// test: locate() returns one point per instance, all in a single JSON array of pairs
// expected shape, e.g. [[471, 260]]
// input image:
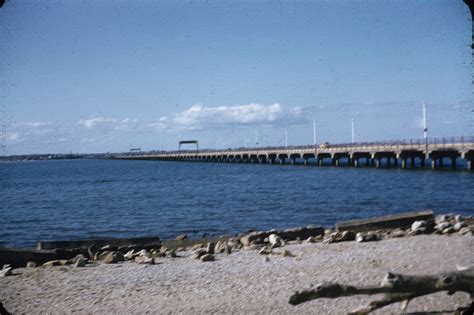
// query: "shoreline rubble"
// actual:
[[150, 250], [185, 275]]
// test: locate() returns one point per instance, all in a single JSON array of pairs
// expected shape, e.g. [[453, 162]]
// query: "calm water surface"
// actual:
[[78, 199]]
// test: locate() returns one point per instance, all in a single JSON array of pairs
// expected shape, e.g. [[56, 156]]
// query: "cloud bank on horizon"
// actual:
[[102, 129]]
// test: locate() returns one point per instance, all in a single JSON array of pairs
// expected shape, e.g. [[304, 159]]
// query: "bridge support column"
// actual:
[[305, 162], [282, 161], [404, 163], [292, 161], [440, 163], [469, 165], [319, 162], [271, 161], [433, 164], [377, 163], [356, 162], [412, 162], [335, 162], [453, 163]]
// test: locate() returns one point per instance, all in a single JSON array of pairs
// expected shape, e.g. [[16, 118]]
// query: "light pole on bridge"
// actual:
[[425, 128], [353, 132]]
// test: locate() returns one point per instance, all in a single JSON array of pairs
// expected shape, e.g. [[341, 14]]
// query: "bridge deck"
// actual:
[[412, 153]]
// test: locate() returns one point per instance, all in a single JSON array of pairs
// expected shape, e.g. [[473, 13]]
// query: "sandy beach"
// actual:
[[242, 282]]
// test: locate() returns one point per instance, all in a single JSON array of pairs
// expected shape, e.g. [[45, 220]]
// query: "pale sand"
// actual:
[[240, 283]]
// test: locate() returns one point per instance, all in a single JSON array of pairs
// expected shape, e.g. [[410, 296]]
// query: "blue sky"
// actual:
[[105, 76]]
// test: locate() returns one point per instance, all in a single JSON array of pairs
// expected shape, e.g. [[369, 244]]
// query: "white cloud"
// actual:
[[35, 124], [199, 117], [11, 136], [96, 121], [124, 124]]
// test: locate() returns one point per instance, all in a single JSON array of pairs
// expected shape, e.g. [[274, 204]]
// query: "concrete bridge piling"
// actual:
[[405, 154]]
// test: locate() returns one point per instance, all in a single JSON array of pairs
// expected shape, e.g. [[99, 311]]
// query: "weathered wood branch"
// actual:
[[395, 287]]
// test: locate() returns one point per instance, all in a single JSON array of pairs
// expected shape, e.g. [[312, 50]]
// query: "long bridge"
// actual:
[[403, 153]]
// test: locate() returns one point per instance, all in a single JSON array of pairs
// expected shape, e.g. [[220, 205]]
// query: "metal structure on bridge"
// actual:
[[188, 142], [406, 153]]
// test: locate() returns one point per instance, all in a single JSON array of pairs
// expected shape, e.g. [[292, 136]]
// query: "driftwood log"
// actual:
[[395, 287]]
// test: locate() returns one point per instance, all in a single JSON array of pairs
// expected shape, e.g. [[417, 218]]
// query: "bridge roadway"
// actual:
[[410, 153]]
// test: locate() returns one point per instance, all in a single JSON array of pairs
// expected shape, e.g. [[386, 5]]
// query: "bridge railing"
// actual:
[[414, 144]]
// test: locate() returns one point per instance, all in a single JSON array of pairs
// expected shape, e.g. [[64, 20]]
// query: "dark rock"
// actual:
[[199, 253], [210, 248], [3, 310], [111, 257], [92, 251], [108, 247], [249, 239], [207, 257], [300, 233], [257, 241]]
